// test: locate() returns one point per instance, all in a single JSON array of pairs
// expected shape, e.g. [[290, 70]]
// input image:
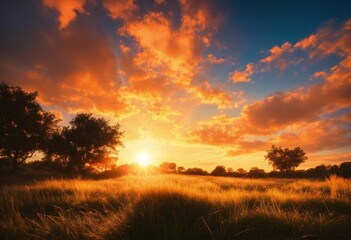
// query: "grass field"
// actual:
[[177, 207]]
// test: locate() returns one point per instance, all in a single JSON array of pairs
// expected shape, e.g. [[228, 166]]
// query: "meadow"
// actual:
[[177, 207]]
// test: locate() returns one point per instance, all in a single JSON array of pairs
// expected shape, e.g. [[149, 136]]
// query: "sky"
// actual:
[[199, 83]]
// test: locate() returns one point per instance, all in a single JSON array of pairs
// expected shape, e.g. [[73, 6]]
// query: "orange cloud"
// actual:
[[317, 136], [67, 9], [320, 74], [318, 159], [276, 52], [120, 8], [219, 131], [306, 42], [245, 147], [177, 49], [200, 14], [175, 53], [244, 76], [225, 131], [213, 59], [72, 68], [208, 94], [282, 109]]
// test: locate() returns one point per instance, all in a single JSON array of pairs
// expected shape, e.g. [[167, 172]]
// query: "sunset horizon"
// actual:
[[198, 83], [175, 119]]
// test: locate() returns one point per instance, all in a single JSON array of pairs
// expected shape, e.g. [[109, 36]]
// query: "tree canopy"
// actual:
[[285, 159], [219, 171], [87, 140], [24, 125]]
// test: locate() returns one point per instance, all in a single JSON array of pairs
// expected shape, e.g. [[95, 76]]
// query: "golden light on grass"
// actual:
[[143, 158]]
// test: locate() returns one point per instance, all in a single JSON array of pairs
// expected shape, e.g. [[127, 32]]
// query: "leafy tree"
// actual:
[[285, 159], [24, 125], [256, 172], [195, 171], [241, 171], [345, 169], [180, 169], [219, 171], [88, 140]]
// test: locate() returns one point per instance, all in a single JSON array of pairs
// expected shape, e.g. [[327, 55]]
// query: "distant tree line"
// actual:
[[321, 171]]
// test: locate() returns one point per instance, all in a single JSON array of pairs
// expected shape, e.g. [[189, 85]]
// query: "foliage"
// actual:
[[285, 159], [168, 167], [180, 169], [219, 171], [24, 125], [195, 171], [256, 172], [87, 140]]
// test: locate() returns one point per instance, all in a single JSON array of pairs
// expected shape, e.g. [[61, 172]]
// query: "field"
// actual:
[[177, 207]]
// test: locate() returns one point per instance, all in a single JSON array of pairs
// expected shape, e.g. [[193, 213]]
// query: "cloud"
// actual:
[[219, 131], [202, 14], [67, 9], [306, 42], [214, 60], [73, 68], [282, 109], [326, 134], [245, 147], [120, 8], [175, 48], [276, 52], [175, 53], [335, 158], [210, 95], [243, 76], [320, 74], [316, 136]]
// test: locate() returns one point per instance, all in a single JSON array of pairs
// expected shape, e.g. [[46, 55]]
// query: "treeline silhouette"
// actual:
[[85, 147], [321, 171]]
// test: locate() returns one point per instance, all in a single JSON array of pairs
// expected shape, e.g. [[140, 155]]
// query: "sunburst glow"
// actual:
[[143, 158]]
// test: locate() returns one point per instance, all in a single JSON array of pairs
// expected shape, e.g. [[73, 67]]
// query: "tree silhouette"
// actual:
[[88, 140], [24, 125], [219, 171], [256, 172], [285, 159], [180, 169], [168, 167], [196, 171]]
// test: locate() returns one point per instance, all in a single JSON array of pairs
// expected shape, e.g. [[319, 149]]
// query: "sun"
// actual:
[[143, 158]]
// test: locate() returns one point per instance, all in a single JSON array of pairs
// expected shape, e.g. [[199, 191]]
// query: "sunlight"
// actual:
[[143, 158]]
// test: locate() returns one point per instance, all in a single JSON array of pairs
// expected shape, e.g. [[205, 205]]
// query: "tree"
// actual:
[[88, 140], [219, 171], [195, 171], [180, 169], [24, 125], [256, 172], [285, 159], [168, 167]]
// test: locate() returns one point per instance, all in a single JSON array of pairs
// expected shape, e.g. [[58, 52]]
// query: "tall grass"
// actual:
[[177, 207]]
